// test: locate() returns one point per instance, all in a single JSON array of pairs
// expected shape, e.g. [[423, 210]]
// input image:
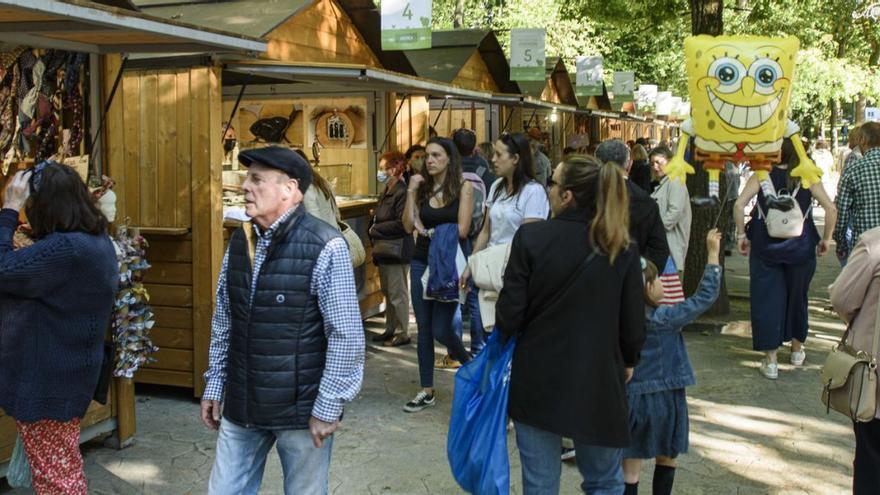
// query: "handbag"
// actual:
[[785, 224], [849, 379], [355, 245], [388, 249]]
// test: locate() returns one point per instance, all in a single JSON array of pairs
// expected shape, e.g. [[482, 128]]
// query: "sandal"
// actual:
[[397, 340]]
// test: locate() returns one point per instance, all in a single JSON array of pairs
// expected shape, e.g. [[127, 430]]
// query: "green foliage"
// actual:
[[647, 37]]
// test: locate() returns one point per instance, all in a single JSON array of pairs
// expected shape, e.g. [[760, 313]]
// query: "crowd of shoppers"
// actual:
[[586, 242]]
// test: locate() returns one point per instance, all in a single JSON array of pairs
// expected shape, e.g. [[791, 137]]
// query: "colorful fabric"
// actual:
[[52, 449], [673, 292]]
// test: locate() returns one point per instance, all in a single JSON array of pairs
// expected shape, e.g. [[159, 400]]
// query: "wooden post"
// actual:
[[207, 219], [126, 424]]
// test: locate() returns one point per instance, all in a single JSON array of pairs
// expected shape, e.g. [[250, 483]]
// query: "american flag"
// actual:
[[673, 292]]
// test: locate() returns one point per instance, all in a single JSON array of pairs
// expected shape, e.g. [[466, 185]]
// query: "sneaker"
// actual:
[[798, 357], [769, 370], [447, 363], [568, 454], [419, 402]]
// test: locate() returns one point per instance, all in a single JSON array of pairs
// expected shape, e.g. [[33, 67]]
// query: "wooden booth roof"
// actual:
[[557, 88], [467, 57], [298, 31], [109, 27]]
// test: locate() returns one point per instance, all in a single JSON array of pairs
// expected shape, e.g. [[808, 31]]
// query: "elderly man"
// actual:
[[645, 224], [543, 170], [858, 193], [287, 342]]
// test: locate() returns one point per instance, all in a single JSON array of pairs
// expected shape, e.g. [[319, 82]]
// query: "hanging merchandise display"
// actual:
[[132, 317], [739, 89], [41, 104]]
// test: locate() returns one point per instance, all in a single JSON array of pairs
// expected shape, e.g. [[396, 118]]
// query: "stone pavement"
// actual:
[[749, 435]]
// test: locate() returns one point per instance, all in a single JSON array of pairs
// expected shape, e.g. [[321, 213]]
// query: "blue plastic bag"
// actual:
[[18, 474], [477, 442]]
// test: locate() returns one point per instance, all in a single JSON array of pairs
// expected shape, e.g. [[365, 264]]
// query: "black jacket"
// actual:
[[640, 175], [277, 345], [572, 348], [646, 227], [388, 223]]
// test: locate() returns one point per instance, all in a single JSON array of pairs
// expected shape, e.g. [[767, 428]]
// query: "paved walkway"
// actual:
[[749, 435]]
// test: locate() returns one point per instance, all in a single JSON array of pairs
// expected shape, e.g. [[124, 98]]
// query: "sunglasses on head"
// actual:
[[36, 177]]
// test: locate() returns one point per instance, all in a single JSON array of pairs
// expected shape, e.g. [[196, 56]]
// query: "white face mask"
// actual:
[[382, 177]]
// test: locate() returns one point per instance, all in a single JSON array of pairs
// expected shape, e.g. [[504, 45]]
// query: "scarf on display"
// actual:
[[106, 184], [8, 110]]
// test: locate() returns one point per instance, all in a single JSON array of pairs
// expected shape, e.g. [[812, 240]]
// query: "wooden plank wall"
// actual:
[[412, 123], [164, 150], [453, 119], [321, 33], [474, 74], [358, 155]]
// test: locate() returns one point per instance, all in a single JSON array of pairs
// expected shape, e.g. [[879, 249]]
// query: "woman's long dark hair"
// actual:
[[61, 202], [452, 184], [524, 172]]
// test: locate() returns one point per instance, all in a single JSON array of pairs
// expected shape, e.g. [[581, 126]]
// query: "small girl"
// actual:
[[658, 415]]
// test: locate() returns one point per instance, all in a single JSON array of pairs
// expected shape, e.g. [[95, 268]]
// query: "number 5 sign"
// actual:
[[527, 55], [406, 24]]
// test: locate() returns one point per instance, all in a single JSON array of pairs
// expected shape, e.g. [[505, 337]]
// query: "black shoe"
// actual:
[[705, 201], [382, 337], [419, 402], [568, 455]]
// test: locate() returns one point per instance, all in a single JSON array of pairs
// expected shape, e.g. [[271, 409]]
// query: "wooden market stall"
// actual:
[[551, 106], [471, 59], [68, 37], [319, 87]]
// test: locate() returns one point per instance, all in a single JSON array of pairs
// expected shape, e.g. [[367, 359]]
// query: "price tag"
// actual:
[[406, 24]]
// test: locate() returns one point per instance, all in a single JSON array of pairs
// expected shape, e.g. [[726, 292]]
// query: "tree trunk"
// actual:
[[706, 18], [861, 105], [835, 120], [458, 16]]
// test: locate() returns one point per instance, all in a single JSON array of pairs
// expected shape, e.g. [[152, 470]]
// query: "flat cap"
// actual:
[[280, 158]]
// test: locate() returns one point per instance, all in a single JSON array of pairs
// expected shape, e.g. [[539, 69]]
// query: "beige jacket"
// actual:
[[675, 211], [856, 292], [318, 205], [487, 272]]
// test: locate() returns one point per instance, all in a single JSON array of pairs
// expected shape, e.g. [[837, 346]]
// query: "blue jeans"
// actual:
[[435, 320], [241, 459], [539, 453], [478, 333]]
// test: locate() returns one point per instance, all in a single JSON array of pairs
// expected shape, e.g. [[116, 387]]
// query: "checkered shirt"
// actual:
[[333, 284], [858, 197]]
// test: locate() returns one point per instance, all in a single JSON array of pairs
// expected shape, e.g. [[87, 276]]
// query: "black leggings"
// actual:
[[866, 467]]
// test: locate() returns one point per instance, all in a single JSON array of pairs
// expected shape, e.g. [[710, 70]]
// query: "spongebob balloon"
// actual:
[[739, 88]]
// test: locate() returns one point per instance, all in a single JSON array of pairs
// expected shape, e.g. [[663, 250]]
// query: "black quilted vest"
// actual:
[[277, 345]]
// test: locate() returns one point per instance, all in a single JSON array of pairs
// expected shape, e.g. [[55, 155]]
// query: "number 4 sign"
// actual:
[[406, 24]]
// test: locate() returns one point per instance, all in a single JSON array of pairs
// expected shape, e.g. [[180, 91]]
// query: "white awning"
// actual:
[[354, 78], [84, 26]]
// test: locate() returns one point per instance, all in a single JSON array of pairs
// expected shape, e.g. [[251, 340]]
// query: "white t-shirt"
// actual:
[[506, 214]]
